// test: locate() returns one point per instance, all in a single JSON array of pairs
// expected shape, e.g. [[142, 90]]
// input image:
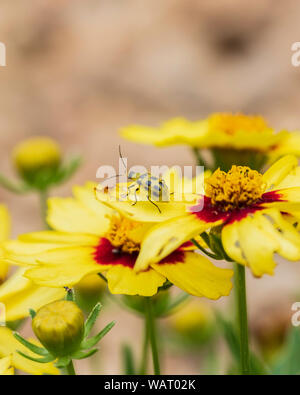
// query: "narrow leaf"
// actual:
[[32, 347], [90, 322], [89, 343], [47, 359]]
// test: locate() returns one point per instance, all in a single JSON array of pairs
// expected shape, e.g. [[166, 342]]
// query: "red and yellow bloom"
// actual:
[[254, 214], [90, 237]]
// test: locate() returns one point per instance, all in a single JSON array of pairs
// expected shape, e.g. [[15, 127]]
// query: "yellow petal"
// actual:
[[285, 234], [289, 145], [64, 266], [70, 215], [164, 238], [258, 246], [142, 211], [6, 368], [231, 243], [123, 280], [142, 134], [292, 180], [5, 223], [197, 276], [9, 345], [277, 172], [18, 294]]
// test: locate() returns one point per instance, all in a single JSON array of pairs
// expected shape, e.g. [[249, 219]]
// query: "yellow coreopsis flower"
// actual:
[[253, 215], [8, 348], [234, 132], [90, 237]]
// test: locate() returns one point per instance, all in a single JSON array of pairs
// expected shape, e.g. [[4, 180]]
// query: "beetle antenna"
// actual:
[[121, 156]]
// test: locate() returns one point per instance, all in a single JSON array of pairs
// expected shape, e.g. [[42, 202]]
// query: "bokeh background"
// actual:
[[78, 70]]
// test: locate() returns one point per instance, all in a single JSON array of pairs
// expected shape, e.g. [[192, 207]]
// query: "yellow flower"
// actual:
[[90, 237], [8, 348], [252, 213], [192, 317], [219, 131], [35, 154], [5, 228], [6, 368]]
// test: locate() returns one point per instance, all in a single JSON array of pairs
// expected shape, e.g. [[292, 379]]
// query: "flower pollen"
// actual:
[[119, 235], [240, 187]]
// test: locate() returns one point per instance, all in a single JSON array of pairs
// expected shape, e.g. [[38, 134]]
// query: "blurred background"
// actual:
[[79, 70]]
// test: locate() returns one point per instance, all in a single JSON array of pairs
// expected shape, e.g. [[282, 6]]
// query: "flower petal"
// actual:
[[143, 210], [6, 368], [64, 266], [70, 215], [231, 243], [285, 234], [164, 238], [257, 246], [197, 276], [9, 345], [124, 280], [277, 172], [19, 294]]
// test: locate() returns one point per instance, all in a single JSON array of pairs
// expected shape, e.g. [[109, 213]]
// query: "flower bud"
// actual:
[[36, 154], [60, 327]]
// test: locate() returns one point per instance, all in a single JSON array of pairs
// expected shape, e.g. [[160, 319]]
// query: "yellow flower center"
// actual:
[[232, 123], [119, 234], [238, 188]]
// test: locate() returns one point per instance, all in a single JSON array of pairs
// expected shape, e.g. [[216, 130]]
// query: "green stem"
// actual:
[[144, 358], [70, 369], [198, 156], [150, 319], [242, 318], [43, 205]]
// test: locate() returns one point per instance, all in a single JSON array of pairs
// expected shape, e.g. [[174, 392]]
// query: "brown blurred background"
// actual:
[[78, 70]]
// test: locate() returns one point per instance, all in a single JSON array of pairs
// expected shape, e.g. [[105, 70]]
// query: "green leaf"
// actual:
[[90, 322], [288, 363], [49, 358], [89, 343], [128, 360], [83, 354], [32, 347], [12, 186], [232, 340]]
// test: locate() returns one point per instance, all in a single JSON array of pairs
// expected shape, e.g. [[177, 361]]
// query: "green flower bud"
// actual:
[[60, 327], [37, 157]]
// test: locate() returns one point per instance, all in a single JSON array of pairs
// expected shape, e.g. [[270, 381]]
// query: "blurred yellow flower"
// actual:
[[9, 346], [90, 237], [192, 317], [219, 131], [249, 212], [35, 154], [6, 368]]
